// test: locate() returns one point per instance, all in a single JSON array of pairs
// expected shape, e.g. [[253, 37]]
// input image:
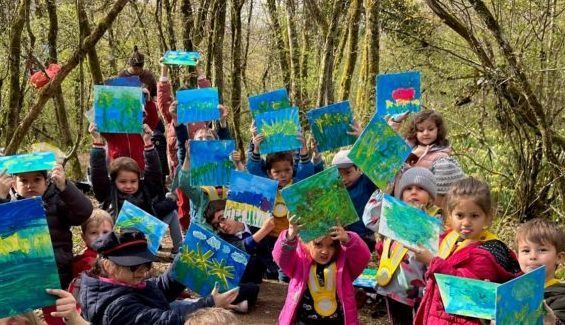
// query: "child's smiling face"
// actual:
[[426, 132], [127, 182], [533, 255]]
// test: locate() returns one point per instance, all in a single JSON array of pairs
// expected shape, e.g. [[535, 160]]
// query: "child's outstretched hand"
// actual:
[[236, 157], [257, 139], [293, 227], [253, 128], [66, 307], [5, 184], [550, 318], [96, 137], [147, 133], [339, 233], [304, 148], [224, 112], [423, 255], [316, 156], [58, 177], [356, 129], [224, 300]]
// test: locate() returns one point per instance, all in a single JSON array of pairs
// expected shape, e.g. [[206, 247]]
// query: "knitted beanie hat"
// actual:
[[446, 172], [420, 176]]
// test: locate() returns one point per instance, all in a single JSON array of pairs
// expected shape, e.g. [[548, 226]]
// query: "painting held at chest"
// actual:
[[330, 124], [367, 279], [270, 101], [210, 162], [28, 162], [26, 258], [181, 58], [280, 129], [118, 109], [250, 198], [379, 152], [131, 216], [320, 202], [398, 93], [198, 105], [206, 259]]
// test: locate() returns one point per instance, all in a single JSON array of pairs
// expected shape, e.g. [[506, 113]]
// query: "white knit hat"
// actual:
[[341, 160], [446, 172], [420, 176]]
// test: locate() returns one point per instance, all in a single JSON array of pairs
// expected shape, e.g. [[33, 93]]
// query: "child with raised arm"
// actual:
[[542, 242], [467, 250], [321, 275]]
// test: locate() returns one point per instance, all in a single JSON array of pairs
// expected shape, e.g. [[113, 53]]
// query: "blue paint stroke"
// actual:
[[181, 58], [118, 109], [28, 162], [270, 101], [467, 297], [131, 81], [367, 279], [197, 105], [330, 124], [398, 93], [210, 163], [280, 128], [131, 216], [519, 301]]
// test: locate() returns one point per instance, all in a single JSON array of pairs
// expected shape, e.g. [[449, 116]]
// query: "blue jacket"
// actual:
[[107, 303], [360, 192]]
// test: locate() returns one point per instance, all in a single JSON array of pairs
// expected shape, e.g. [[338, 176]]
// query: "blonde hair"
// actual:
[[469, 188], [211, 316], [97, 218], [542, 232]]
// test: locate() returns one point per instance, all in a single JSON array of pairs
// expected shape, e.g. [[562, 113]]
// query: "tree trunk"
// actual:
[[284, 60], [219, 29], [174, 71], [237, 6], [93, 62], [49, 90], [112, 44], [210, 39], [247, 38], [187, 38], [294, 53], [351, 55], [365, 100]]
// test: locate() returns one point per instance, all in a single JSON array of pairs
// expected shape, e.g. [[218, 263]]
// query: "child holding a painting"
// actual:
[[321, 275], [468, 250], [541, 242], [400, 277]]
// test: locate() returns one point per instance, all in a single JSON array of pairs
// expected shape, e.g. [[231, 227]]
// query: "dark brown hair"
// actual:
[[123, 163], [213, 207], [278, 156], [542, 232], [136, 59], [469, 188], [420, 117]]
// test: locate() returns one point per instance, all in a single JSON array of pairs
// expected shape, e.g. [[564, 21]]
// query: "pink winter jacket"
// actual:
[[293, 257]]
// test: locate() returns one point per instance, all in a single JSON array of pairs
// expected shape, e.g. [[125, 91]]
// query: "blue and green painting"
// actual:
[[271, 101], [280, 129], [181, 58], [131, 81], [320, 202], [197, 105], [330, 124], [210, 162], [408, 225], [27, 263], [367, 279], [131, 216], [467, 297], [28, 162], [118, 109], [398, 93], [205, 259], [380, 152], [250, 198]]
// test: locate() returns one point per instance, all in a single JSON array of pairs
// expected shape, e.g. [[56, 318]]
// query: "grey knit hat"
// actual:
[[420, 176], [446, 172]]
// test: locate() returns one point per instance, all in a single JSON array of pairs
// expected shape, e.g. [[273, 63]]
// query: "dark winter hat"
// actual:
[[136, 59], [128, 248], [446, 172], [420, 176]]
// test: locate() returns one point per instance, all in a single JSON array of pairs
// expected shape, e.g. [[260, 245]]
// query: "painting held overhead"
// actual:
[[206, 259], [197, 105], [320, 202], [118, 109], [27, 263], [210, 162], [398, 93], [280, 129], [270, 101], [131, 216], [131, 81], [250, 198], [181, 58], [28, 162], [330, 126]]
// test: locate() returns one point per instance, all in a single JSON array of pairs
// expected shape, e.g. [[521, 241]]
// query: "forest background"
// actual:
[[494, 69]]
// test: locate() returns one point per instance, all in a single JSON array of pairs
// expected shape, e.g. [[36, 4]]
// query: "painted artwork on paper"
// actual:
[[131, 216], [398, 93], [206, 259], [181, 58], [330, 125], [320, 202], [367, 279], [380, 152], [271, 101], [467, 297], [250, 198], [197, 105], [210, 162], [28, 162], [26, 258], [131, 81], [280, 129], [118, 109], [408, 225]]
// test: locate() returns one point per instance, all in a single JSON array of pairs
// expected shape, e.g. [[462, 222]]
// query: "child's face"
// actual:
[[31, 184], [281, 171], [426, 132], [468, 219], [127, 182], [134, 275], [94, 231], [224, 225], [416, 196], [322, 250], [532, 255], [204, 134], [350, 175]]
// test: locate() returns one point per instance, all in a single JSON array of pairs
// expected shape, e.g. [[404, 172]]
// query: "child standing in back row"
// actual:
[[468, 250]]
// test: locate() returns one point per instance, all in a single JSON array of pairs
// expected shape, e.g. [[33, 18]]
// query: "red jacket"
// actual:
[[490, 260], [84, 261]]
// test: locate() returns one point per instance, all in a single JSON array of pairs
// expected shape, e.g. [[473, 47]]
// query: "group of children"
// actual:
[[111, 276]]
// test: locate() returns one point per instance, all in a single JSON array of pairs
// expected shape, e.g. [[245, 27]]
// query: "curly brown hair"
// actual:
[[123, 164], [410, 133]]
